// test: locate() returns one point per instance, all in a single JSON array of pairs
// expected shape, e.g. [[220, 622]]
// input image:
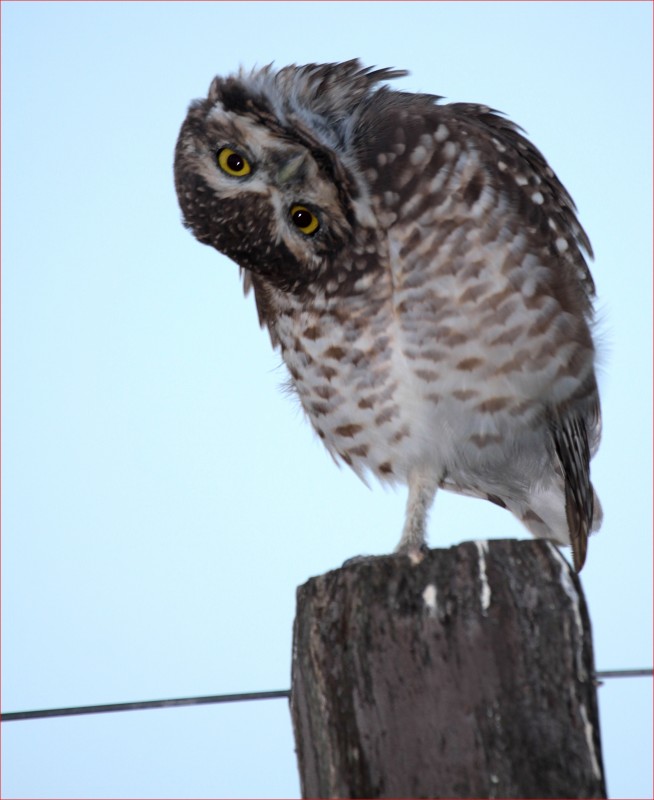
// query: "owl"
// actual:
[[422, 271]]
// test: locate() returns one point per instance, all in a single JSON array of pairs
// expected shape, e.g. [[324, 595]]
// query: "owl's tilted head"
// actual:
[[268, 171]]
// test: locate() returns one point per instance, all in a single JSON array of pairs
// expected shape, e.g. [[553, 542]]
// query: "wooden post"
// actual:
[[468, 674]]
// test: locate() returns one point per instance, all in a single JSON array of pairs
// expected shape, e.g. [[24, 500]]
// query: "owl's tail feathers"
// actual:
[[581, 527], [566, 510], [598, 513], [551, 514], [570, 437]]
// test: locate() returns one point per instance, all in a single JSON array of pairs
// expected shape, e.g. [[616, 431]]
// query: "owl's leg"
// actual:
[[422, 490]]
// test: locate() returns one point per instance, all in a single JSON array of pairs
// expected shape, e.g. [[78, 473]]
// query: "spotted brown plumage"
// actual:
[[422, 271]]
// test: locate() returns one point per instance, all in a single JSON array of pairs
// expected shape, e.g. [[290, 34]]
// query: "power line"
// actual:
[[144, 704], [227, 698], [624, 673]]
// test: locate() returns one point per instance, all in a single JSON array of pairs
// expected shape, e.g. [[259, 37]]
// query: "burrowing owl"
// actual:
[[421, 269]]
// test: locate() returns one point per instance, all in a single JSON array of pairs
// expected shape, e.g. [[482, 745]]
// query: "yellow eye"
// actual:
[[304, 220], [233, 163]]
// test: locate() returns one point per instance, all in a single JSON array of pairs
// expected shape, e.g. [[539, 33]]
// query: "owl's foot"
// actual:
[[414, 554]]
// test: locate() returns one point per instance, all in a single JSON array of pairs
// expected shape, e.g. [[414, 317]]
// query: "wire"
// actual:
[[138, 706], [226, 698], [624, 673]]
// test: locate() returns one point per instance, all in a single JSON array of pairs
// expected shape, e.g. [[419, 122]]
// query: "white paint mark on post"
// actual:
[[588, 730], [429, 596], [569, 589], [485, 595]]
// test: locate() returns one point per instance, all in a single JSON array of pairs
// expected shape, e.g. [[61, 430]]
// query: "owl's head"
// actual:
[[268, 170]]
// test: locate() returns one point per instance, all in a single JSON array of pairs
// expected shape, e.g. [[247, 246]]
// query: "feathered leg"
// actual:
[[422, 490]]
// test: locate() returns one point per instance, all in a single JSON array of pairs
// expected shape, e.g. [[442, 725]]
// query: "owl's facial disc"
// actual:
[[275, 204], [234, 164]]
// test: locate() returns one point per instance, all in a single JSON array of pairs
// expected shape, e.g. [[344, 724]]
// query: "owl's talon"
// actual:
[[415, 554]]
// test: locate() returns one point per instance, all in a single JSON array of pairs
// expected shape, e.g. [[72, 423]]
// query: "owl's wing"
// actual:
[[494, 131]]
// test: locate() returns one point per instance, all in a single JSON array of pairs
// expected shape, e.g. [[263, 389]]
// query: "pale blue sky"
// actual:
[[162, 497]]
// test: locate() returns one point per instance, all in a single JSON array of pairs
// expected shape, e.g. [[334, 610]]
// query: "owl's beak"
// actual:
[[291, 169]]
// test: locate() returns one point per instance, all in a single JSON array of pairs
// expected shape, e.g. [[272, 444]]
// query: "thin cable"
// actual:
[[144, 704], [624, 673], [226, 698]]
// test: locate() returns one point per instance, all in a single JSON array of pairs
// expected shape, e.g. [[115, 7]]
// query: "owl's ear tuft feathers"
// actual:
[[234, 95], [214, 89], [324, 88], [331, 91]]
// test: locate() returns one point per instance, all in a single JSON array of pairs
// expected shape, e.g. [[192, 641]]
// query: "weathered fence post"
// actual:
[[469, 674]]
